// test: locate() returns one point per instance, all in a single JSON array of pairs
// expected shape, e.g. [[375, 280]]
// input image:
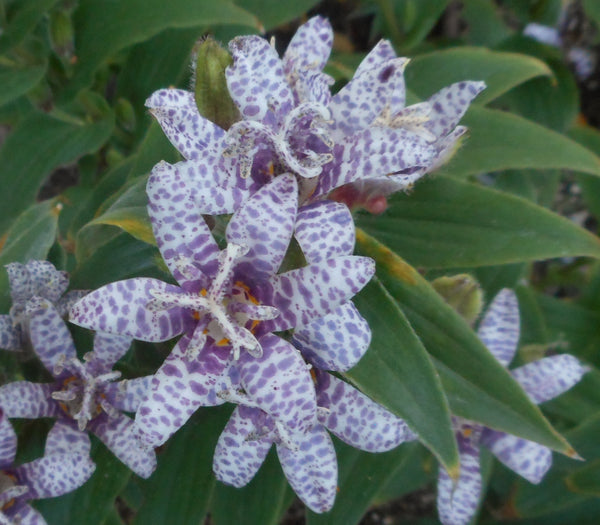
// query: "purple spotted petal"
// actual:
[[311, 469], [108, 349], [122, 308], [499, 328], [64, 304], [65, 438], [310, 47], [49, 334], [55, 475], [356, 419], [21, 287], [313, 291], [181, 232], [241, 450], [36, 278], [8, 442], [325, 230], [264, 224], [336, 341], [118, 434], [374, 152], [279, 383], [10, 335], [528, 459], [256, 81], [24, 514], [177, 113], [214, 199], [450, 104], [356, 106], [458, 503], [127, 395], [382, 53], [549, 377], [28, 400], [179, 387]]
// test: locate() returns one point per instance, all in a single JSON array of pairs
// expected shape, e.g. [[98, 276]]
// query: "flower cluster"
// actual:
[[263, 310]]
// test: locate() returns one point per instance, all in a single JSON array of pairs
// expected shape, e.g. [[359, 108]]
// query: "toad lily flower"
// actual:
[[35, 278], [227, 301], [542, 380], [84, 396], [291, 123], [65, 466], [306, 452]]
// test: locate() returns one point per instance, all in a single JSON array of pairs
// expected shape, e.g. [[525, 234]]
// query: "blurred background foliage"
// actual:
[[517, 206]]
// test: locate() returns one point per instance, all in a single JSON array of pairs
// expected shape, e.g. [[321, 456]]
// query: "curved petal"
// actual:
[[310, 46], [64, 304], [325, 230], [179, 387], [44, 280], [177, 113], [499, 328], [21, 287], [29, 400], [375, 152], [528, 459], [382, 53], [10, 335], [180, 230], [356, 419], [336, 341], [279, 382], [127, 395], [256, 81], [216, 199], [25, 514], [49, 334], [108, 349], [55, 475], [356, 106], [122, 308], [65, 438], [264, 224], [241, 450], [313, 291], [311, 469], [450, 104], [549, 377], [8, 441], [118, 434], [458, 503]]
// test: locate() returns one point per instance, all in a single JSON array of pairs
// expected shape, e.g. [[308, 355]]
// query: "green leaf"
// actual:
[[263, 500], [30, 237], [22, 19], [428, 73], [362, 476], [476, 385], [180, 489], [94, 501], [471, 225], [104, 28], [500, 141], [40, 143], [273, 13], [18, 81], [397, 373], [590, 186], [484, 19]]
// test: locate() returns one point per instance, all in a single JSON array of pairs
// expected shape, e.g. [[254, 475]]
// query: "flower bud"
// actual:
[[463, 293], [61, 33], [210, 87]]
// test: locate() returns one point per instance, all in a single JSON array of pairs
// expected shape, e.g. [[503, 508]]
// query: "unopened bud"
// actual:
[[61, 33], [463, 293], [210, 87], [125, 114]]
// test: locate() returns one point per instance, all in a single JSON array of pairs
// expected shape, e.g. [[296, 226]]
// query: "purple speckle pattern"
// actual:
[[336, 341], [308, 293], [356, 419], [194, 136], [108, 349], [64, 438], [264, 225], [241, 449], [499, 328], [458, 501], [311, 468], [549, 377], [8, 441], [381, 54], [127, 395], [528, 459], [28, 400], [279, 382], [121, 308]]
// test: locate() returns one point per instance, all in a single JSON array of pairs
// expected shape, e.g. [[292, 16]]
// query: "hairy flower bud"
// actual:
[[463, 293]]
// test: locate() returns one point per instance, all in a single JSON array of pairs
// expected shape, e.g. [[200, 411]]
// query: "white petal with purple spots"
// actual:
[[127, 395], [28, 400], [108, 349], [65, 438], [8, 441], [10, 335]]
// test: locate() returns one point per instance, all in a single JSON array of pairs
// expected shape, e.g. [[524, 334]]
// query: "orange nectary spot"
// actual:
[[223, 342], [467, 432], [248, 295]]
